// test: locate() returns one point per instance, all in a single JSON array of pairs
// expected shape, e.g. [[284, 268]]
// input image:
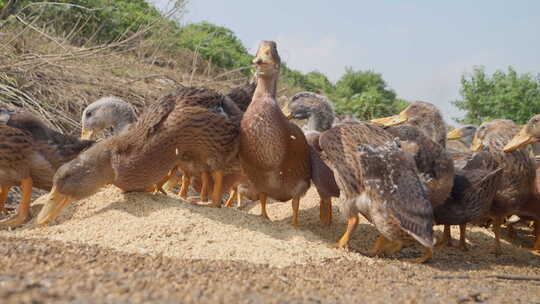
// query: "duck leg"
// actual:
[[4, 190], [463, 237], [295, 207], [159, 186], [262, 200], [446, 238], [428, 253], [325, 211], [23, 214], [232, 196], [497, 222], [186, 181], [380, 246], [352, 224], [217, 192]]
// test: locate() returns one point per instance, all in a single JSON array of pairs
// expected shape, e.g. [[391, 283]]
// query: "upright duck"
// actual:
[[274, 152]]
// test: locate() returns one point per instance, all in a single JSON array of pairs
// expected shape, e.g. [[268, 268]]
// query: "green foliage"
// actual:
[[366, 94], [216, 44], [502, 95], [95, 21]]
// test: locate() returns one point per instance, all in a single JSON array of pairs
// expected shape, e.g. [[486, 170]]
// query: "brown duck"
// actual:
[[475, 186], [30, 154], [516, 193], [273, 151], [422, 115], [319, 112], [140, 157], [379, 180], [529, 134]]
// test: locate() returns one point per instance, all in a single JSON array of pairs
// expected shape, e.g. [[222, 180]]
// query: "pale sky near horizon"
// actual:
[[420, 47]]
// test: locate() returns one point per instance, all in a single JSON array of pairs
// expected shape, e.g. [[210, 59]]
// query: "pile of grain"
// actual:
[[159, 224]]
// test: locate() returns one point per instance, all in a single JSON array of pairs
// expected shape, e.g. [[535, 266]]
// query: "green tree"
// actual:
[[502, 95], [216, 44], [318, 81], [365, 94]]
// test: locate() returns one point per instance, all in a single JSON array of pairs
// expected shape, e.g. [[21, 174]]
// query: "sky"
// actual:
[[420, 47]]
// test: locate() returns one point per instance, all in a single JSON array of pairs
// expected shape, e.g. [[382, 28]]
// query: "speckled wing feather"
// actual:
[[435, 166], [339, 145], [243, 95], [189, 134], [15, 145], [416, 214]]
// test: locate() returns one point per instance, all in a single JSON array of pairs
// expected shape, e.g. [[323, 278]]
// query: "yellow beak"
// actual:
[[87, 134], [286, 111], [476, 144], [55, 203], [454, 134], [520, 140], [391, 120]]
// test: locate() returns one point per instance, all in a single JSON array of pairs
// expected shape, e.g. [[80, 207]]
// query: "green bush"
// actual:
[[502, 95], [95, 21], [217, 44], [365, 94]]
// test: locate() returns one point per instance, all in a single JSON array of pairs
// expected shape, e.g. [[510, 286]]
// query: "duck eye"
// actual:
[[88, 114]]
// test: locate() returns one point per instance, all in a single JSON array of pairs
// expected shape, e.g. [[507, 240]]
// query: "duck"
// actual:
[[169, 130], [422, 115], [322, 177], [463, 134], [475, 186], [316, 108], [107, 112], [432, 160], [529, 134], [30, 154], [379, 180], [242, 95], [274, 153], [516, 193], [319, 112]]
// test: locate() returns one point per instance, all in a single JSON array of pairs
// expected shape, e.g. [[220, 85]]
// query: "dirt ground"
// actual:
[[134, 248]]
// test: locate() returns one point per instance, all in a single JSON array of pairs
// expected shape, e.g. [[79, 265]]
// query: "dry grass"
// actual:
[[55, 80]]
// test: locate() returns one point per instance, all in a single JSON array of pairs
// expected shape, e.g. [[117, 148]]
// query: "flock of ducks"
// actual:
[[396, 171]]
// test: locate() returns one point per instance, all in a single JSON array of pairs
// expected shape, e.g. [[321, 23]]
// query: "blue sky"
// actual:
[[420, 47]]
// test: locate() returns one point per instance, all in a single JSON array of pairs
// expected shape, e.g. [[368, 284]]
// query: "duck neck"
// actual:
[[266, 85], [123, 117]]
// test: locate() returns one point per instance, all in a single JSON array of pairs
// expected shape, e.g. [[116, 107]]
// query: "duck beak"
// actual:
[[520, 140], [476, 144], [391, 120], [454, 134], [55, 203], [87, 134], [286, 111]]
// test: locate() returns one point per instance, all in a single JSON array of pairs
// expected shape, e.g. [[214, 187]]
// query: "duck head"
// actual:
[[77, 179], [104, 113], [422, 115], [267, 61], [529, 133]]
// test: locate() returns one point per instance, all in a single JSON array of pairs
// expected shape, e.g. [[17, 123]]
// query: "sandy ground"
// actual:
[[135, 247]]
